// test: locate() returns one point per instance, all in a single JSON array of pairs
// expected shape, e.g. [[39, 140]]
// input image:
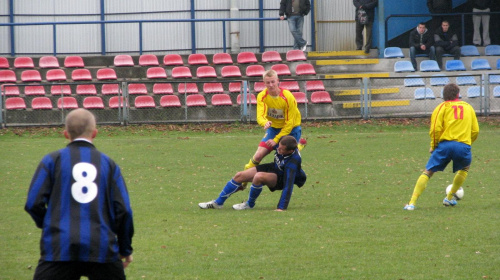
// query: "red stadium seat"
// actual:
[[41, 103], [305, 69], [221, 99], [115, 102], [258, 86], [255, 70], [170, 101], [156, 73], [75, 61], [15, 103], [68, 102], [48, 62], [10, 90], [60, 90], [206, 72], [230, 71], [110, 89], [300, 97], [31, 76], [321, 97], [250, 99], [34, 90], [295, 55], [55, 75], [237, 87], [246, 57], [123, 60], [172, 60], [144, 101], [315, 85], [282, 69], [106, 74], [181, 72], [163, 89], [87, 89], [137, 89], [4, 62], [93, 102], [222, 58], [197, 59], [196, 100], [7, 76], [188, 88], [271, 56], [290, 85], [23, 62], [148, 60], [81, 75], [213, 88]]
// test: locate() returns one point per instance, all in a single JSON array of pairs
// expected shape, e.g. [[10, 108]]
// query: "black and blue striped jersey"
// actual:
[[290, 172]]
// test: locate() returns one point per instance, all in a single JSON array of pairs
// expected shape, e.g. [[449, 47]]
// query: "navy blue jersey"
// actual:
[[80, 201], [290, 172]]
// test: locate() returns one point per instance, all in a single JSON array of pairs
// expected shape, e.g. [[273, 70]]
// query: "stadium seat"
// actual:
[[492, 50], [480, 64], [413, 81], [237, 87], [81, 75], [74, 62], [170, 101], [68, 102], [439, 80], [172, 60], [60, 90], [454, 65], [305, 69], [213, 88], [315, 85], [290, 85], [117, 102], [469, 50], [156, 73], [123, 60], [246, 57], [393, 52], [93, 102], [160, 88], [86, 89], [295, 55], [206, 72], [250, 99], [403, 66], [41, 103], [424, 93], [498, 64], [475, 91], [4, 63], [222, 58], [300, 97], [110, 89], [429, 66], [230, 71], [15, 103], [31, 76], [10, 90], [197, 59], [196, 100], [281, 69], [48, 62], [255, 70], [271, 56], [466, 80], [7, 76], [106, 74], [55, 75], [144, 101], [181, 72], [23, 62], [221, 99], [137, 89], [258, 87], [494, 79], [496, 91], [188, 88], [148, 60], [34, 90], [320, 97]]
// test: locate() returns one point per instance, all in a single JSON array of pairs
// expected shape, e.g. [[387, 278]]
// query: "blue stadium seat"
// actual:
[[492, 50], [439, 80], [424, 93], [496, 91], [469, 50], [429, 66], [465, 79], [414, 81], [393, 52], [498, 64], [475, 91], [480, 64], [455, 65], [494, 79], [403, 66]]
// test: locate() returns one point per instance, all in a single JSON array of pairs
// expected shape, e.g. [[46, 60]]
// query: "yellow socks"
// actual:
[[302, 144], [458, 181], [251, 163], [419, 187]]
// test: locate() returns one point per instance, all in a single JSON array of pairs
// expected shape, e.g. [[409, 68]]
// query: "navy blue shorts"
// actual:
[[447, 151], [270, 168], [74, 270]]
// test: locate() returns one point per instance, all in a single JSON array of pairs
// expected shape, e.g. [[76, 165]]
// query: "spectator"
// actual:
[[421, 42], [481, 6], [439, 7], [295, 10], [365, 14], [446, 41]]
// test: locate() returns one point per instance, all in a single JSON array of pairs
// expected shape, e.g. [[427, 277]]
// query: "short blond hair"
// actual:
[[80, 123], [270, 73]]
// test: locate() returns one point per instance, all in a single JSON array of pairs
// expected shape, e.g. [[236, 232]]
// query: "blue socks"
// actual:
[[254, 193], [228, 190]]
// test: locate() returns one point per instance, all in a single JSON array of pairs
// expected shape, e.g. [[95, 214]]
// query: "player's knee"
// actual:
[[238, 177]]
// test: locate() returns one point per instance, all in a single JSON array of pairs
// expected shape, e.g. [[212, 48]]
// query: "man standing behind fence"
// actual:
[[295, 10], [365, 15], [481, 6]]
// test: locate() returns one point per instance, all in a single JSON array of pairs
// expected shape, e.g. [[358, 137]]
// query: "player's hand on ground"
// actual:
[[126, 260]]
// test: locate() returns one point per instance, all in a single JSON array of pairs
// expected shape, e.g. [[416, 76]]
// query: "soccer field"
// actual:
[[347, 222]]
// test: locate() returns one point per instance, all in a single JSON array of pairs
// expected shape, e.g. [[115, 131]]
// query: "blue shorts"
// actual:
[[447, 151], [271, 132]]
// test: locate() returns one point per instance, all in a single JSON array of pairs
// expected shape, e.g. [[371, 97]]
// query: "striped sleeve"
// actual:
[[289, 173]]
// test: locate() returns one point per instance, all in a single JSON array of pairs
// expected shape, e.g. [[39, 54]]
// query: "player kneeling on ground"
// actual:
[[281, 174]]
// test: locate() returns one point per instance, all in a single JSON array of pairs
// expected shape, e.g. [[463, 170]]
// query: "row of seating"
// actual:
[[467, 50], [472, 92], [479, 64], [441, 80]]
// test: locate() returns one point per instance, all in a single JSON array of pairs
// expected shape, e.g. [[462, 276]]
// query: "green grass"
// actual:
[[347, 222]]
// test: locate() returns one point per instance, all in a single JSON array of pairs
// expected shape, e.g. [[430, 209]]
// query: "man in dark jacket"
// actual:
[[295, 10], [438, 7], [481, 6], [446, 41], [368, 6], [421, 43]]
